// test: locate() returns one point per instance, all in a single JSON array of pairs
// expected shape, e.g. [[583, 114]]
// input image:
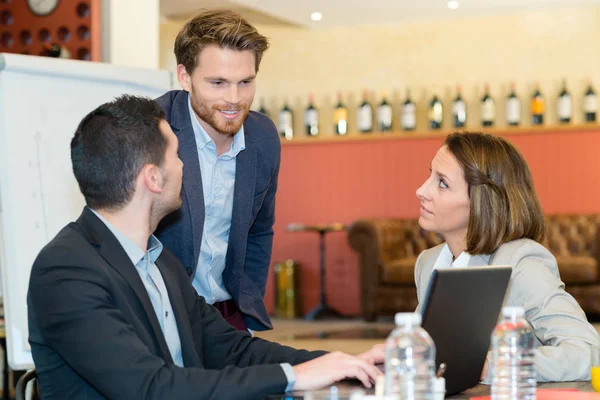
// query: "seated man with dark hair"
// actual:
[[112, 314]]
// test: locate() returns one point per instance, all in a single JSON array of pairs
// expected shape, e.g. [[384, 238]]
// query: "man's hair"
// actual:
[[110, 147], [223, 28], [504, 205]]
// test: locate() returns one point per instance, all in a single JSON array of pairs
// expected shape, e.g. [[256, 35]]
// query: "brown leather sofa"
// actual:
[[388, 248]]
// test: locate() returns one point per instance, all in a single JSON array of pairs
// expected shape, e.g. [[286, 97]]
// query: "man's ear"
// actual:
[[153, 178], [185, 79]]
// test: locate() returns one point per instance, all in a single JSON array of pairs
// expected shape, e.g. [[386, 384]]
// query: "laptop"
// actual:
[[460, 311]]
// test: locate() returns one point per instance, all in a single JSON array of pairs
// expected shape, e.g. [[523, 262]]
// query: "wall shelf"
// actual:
[[431, 134]]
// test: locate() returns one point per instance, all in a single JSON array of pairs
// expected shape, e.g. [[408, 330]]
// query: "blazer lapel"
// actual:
[[114, 254], [192, 176], [243, 197], [188, 350]]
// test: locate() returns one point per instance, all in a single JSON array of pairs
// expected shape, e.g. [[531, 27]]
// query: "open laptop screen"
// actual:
[[460, 311]]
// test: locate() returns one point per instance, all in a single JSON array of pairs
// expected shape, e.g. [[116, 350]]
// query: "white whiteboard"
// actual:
[[42, 100]]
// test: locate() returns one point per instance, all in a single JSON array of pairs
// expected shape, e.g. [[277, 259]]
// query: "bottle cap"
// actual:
[[513, 312], [407, 318]]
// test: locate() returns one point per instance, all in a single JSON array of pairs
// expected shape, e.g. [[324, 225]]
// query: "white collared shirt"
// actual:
[[465, 259]]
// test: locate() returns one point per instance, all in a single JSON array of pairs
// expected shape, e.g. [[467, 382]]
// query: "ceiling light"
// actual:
[[316, 16], [453, 4]]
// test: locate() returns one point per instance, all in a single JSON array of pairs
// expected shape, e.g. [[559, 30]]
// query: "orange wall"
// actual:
[[342, 182]]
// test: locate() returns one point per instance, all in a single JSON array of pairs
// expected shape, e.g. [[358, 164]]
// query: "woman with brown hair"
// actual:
[[480, 197]]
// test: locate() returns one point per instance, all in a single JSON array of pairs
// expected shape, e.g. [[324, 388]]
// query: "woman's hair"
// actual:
[[503, 203]]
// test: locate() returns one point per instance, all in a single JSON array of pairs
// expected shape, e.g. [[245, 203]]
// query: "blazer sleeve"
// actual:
[[77, 317], [260, 235], [559, 323]]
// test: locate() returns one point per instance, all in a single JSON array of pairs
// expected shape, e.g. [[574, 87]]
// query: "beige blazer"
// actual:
[[563, 334]]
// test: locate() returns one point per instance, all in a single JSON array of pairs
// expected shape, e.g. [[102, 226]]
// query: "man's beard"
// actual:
[[210, 116]]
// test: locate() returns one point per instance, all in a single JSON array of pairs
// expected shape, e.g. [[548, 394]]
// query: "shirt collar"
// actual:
[[203, 139], [464, 259], [133, 251]]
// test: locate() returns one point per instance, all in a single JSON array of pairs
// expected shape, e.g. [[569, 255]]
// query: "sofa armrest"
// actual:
[[376, 241]]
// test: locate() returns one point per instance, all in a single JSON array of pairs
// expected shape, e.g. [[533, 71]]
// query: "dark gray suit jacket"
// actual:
[[94, 334], [251, 236]]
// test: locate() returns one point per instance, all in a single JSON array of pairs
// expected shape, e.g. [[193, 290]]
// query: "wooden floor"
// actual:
[[286, 332]]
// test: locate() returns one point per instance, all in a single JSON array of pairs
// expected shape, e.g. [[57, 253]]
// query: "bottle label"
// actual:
[[537, 105], [564, 107], [384, 115], [285, 121], [365, 118], [436, 113], [311, 117], [409, 119], [488, 110], [590, 103], [513, 110], [459, 109]]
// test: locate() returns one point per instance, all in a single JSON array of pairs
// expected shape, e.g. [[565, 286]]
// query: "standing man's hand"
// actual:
[[334, 367]]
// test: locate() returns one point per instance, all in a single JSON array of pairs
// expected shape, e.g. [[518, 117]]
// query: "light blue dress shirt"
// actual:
[[155, 286], [218, 181]]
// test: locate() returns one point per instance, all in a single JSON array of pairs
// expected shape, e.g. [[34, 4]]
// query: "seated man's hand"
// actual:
[[374, 356], [334, 367]]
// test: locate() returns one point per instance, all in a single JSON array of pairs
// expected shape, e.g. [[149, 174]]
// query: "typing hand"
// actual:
[[331, 368], [374, 356]]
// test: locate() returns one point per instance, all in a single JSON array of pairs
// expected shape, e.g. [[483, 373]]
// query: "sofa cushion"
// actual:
[[577, 269], [400, 271]]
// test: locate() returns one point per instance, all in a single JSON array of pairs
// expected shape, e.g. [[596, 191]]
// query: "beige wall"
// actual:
[[130, 42], [427, 57]]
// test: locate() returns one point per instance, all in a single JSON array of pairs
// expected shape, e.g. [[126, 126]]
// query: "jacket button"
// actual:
[[189, 271]]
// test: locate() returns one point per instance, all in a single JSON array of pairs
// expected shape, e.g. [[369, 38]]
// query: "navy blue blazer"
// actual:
[[251, 235], [94, 333]]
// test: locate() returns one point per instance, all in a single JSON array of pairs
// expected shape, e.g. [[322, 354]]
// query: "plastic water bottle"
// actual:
[[409, 360], [513, 366]]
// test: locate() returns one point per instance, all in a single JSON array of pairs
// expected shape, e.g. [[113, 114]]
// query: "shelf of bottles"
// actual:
[[377, 121]]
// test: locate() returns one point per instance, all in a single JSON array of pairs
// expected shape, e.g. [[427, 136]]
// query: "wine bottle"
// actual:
[[436, 113], [409, 113], [262, 109], [384, 114], [537, 107], [340, 117], [311, 118], [364, 115], [565, 106], [590, 104], [286, 122], [488, 108], [459, 110], [513, 107]]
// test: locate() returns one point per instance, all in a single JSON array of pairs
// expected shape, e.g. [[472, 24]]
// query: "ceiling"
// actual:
[[357, 12]]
